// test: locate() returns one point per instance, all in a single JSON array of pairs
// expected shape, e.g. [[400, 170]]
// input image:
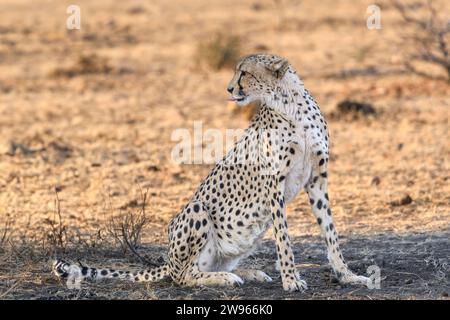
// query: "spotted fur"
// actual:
[[284, 150]]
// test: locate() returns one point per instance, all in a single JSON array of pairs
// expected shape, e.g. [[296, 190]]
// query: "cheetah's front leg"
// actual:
[[289, 275], [318, 197]]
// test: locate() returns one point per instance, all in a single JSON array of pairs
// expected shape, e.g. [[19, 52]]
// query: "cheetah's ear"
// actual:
[[278, 67]]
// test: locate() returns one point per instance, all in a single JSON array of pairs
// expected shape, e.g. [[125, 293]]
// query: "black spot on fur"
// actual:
[[319, 204]]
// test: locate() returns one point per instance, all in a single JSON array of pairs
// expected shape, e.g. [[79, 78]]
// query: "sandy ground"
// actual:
[[99, 138]]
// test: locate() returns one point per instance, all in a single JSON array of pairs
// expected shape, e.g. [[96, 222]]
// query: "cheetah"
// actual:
[[284, 150]]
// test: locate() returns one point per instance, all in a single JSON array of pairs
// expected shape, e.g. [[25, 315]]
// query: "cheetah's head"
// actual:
[[257, 77]]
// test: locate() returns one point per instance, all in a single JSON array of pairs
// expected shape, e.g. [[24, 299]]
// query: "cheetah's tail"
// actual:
[[76, 273]]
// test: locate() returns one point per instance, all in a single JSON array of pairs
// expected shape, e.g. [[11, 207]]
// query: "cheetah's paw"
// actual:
[[292, 285], [254, 275], [351, 278], [234, 280], [261, 276]]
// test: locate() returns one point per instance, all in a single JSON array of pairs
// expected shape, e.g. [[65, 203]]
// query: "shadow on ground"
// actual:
[[415, 266]]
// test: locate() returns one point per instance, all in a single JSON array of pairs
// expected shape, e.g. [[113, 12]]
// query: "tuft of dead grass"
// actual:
[[220, 51], [85, 64]]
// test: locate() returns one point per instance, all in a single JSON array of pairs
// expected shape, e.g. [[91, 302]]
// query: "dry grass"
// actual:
[[57, 236]]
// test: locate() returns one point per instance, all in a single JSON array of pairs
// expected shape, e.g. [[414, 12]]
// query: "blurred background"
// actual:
[[86, 116]]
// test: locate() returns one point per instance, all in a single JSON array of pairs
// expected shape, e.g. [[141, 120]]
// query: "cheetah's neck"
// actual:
[[291, 97]]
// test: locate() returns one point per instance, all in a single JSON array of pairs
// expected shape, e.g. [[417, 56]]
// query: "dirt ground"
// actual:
[[89, 114], [414, 266]]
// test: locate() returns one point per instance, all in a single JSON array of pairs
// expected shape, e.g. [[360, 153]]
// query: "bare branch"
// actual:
[[430, 36], [407, 17], [412, 69]]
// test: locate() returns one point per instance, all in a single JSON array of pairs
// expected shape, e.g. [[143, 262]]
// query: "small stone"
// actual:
[[355, 108], [375, 181], [261, 47], [153, 168]]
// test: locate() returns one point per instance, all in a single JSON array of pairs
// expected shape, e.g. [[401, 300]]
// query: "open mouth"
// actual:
[[236, 99]]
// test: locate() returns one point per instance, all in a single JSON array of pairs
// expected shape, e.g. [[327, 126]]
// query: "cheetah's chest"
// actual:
[[297, 177]]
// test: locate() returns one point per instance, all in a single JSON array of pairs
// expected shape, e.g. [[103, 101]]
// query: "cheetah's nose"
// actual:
[[230, 89]]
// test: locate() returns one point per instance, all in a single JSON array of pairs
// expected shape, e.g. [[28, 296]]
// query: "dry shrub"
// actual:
[[57, 236], [126, 228], [221, 51], [430, 39], [85, 64]]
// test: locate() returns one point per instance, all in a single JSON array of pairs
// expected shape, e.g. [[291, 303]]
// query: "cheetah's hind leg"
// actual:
[[192, 251]]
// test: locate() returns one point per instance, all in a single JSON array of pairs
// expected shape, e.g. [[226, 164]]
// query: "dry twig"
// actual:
[[126, 229]]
